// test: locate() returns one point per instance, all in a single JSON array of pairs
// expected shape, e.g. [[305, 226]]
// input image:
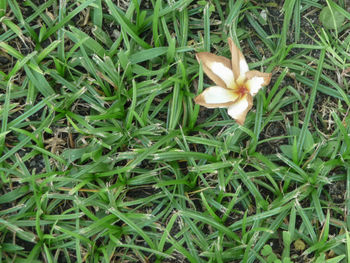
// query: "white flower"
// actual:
[[235, 83]]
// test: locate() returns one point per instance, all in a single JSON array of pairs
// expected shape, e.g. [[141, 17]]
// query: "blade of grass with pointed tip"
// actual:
[[307, 222], [122, 21], [39, 82], [5, 115], [211, 222], [302, 135], [89, 43], [67, 18], [23, 234], [134, 226], [266, 235], [157, 7], [206, 15], [23, 142]]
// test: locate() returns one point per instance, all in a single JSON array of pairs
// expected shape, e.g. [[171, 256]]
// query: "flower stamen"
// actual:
[[241, 90]]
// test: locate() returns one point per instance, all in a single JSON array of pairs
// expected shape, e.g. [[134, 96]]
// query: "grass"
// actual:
[[104, 157]]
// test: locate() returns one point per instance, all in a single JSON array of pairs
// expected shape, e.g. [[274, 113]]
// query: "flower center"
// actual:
[[241, 90]]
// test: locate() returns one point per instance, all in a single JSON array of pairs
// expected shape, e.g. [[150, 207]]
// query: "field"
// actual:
[[105, 157]]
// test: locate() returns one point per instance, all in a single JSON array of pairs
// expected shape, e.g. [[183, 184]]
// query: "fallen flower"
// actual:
[[235, 83]]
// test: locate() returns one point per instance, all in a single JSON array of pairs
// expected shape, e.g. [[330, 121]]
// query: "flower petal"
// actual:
[[239, 110], [239, 64], [216, 97], [257, 80], [217, 68]]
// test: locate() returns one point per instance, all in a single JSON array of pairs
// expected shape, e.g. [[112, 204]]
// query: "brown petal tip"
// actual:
[[254, 73]]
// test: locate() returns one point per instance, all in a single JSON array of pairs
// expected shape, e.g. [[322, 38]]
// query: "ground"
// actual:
[[105, 157]]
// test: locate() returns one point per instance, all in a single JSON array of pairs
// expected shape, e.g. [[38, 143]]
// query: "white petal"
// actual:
[[238, 62], [243, 67], [216, 97], [255, 84], [208, 59], [223, 72], [216, 94], [238, 108]]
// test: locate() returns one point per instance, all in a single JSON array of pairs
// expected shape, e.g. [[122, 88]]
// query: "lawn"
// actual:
[[106, 157]]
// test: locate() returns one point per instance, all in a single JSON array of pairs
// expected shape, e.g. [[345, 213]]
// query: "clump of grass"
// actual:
[[104, 156]]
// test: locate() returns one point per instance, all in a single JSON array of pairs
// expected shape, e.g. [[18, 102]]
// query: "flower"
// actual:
[[235, 83]]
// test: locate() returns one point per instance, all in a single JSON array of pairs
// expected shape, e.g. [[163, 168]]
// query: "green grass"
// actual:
[[104, 157]]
